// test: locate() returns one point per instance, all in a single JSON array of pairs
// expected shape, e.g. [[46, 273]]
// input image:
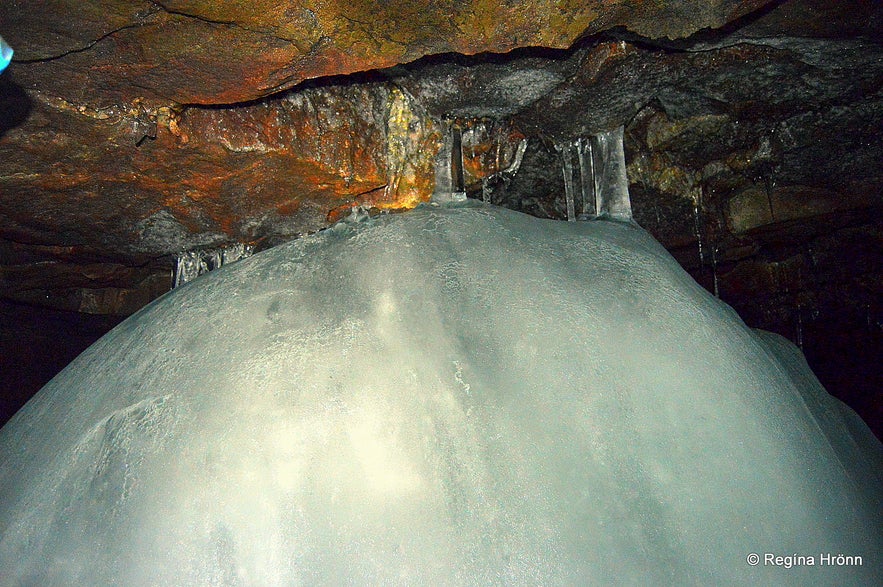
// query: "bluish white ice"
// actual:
[[452, 396]]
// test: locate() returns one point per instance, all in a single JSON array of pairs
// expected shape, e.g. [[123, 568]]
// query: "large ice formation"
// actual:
[[453, 396]]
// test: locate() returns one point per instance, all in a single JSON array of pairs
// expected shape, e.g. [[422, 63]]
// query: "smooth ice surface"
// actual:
[[455, 395]]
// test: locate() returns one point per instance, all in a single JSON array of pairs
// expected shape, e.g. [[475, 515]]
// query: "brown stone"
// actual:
[[105, 52], [209, 176]]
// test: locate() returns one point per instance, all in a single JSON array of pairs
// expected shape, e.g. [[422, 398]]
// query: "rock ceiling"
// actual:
[[132, 131]]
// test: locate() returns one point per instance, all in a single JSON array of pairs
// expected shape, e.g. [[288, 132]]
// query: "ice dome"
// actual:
[[451, 396]]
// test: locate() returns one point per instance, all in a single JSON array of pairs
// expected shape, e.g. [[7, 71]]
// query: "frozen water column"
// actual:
[[610, 179], [450, 180], [595, 180]]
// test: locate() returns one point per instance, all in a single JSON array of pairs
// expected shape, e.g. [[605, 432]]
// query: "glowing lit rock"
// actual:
[[448, 396]]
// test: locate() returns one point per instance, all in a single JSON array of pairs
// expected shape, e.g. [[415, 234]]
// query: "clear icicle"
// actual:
[[449, 179], [588, 208], [610, 179], [595, 180], [565, 152], [235, 252]]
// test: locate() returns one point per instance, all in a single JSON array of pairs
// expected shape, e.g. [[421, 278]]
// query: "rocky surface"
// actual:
[[132, 131], [110, 52]]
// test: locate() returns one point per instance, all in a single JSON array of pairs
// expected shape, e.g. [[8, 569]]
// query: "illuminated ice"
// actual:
[[453, 396]]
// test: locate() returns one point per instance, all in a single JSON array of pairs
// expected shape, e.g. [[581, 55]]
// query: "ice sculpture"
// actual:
[[457, 395]]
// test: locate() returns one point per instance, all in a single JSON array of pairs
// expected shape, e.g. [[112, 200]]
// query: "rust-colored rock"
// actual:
[[202, 177], [103, 52]]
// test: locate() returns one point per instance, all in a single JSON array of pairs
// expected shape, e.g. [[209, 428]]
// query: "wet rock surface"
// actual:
[[131, 132]]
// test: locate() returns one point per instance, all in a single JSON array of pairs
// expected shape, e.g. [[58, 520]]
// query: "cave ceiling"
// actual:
[[132, 131]]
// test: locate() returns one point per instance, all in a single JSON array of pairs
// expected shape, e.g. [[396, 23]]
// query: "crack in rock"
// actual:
[[229, 23], [82, 49]]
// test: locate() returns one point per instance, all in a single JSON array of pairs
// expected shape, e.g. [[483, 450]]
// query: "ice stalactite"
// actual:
[[565, 152], [191, 264], [450, 183], [595, 180], [478, 157], [610, 180]]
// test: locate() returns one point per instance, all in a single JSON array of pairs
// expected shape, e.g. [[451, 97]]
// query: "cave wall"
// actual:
[[130, 132]]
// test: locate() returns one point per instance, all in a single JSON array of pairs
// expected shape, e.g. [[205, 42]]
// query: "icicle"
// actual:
[[588, 208], [187, 268], [610, 179], [499, 146], [191, 264], [450, 183], [235, 252], [213, 260], [458, 178], [489, 146], [597, 185], [565, 152]]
